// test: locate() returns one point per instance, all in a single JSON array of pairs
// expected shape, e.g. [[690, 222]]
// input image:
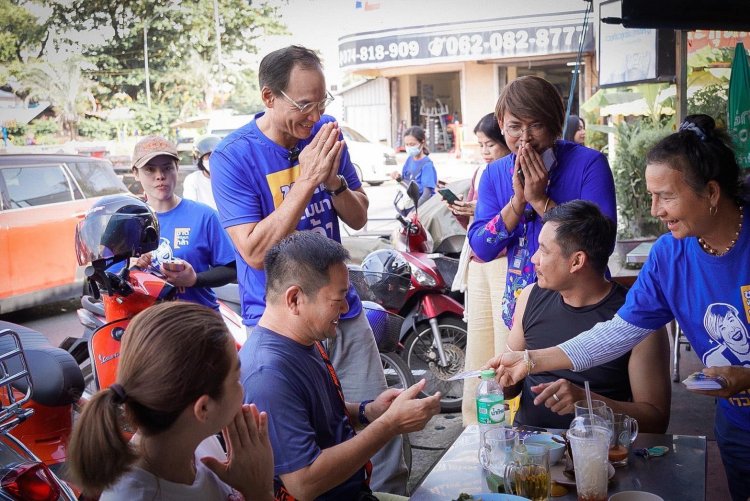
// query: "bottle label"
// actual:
[[491, 409]]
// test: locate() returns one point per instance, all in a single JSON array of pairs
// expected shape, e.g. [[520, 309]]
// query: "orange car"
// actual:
[[42, 197]]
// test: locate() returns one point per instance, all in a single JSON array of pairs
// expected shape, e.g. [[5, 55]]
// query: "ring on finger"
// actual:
[[554, 395]]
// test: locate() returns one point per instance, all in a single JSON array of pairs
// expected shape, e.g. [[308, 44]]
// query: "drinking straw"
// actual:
[[588, 401]]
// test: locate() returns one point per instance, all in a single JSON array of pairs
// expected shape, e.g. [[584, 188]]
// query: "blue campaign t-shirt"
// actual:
[[250, 176], [194, 233], [710, 298], [290, 381], [421, 171]]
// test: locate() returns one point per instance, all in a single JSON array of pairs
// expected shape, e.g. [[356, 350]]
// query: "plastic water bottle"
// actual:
[[490, 405]]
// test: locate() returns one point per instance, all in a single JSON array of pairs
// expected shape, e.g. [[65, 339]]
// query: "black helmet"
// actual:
[[388, 276], [115, 228], [203, 147], [386, 261]]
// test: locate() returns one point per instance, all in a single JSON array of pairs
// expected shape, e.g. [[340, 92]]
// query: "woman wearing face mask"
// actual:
[[540, 173], [197, 186], [483, 282], [418, 166]]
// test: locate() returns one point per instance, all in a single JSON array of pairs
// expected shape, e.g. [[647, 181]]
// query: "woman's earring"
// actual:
[[713, 210]]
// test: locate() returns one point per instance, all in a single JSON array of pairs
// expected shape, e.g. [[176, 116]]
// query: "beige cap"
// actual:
[[150, 147]]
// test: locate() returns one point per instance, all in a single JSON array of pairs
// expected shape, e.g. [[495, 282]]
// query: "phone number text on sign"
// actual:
[[496, 43], [508, 41], [379, 52]]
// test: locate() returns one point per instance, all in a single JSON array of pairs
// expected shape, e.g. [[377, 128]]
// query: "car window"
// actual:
[[96, 178], [31, 186], [353, 135]]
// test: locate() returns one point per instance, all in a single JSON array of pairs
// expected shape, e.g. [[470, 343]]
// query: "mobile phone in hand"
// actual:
[[448, 195], [173, 265]]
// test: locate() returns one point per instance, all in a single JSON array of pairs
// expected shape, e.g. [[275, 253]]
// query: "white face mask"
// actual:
[[206, 164], [413, 151]]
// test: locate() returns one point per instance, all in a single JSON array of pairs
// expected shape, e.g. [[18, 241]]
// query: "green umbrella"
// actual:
[[738, 111]]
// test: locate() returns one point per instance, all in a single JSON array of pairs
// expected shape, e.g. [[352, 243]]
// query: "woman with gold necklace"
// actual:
[[699, 273]]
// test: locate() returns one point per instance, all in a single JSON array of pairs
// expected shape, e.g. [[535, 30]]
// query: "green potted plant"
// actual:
[[635, 223]]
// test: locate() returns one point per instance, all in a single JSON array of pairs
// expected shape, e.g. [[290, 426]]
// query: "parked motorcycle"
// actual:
[[114, 230], [104, 320], [413, 282], [36, 380]]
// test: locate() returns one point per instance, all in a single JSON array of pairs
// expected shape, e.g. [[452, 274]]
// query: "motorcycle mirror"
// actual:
[[413, 191]]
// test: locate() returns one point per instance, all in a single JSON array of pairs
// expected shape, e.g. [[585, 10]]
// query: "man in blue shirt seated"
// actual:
[[286, 372], [572, 295]]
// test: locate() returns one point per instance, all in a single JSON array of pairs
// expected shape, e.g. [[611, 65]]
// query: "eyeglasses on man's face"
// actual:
[[309, 107], [517, 130]]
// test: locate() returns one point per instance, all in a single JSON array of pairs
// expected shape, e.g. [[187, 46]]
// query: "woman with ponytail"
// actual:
[[177, 386]]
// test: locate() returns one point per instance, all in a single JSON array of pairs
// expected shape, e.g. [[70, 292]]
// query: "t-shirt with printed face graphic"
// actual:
[[710, 298]]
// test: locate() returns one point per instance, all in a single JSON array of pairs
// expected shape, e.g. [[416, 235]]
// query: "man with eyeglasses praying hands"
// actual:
[[289, 170]]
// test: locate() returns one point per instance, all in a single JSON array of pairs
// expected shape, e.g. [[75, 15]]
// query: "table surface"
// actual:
[[679, 474], [640, 253]]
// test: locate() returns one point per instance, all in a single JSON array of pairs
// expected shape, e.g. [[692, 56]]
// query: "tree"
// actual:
[[20, 32], [176, 30], [62, 84]]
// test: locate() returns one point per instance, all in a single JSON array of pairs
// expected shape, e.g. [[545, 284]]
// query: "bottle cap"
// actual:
[[488, 374]]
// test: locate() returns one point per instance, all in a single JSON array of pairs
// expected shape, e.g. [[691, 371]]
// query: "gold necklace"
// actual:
[[715, 252]]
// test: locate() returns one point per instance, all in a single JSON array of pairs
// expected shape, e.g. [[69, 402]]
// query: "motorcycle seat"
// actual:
[[56, 377]]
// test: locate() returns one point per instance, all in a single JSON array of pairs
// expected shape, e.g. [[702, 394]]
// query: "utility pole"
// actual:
[[145, 61], [218, 41]]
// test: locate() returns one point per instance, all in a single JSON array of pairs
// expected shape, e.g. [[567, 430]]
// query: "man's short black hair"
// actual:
[[581, 226], [303, 258], [277, 66]]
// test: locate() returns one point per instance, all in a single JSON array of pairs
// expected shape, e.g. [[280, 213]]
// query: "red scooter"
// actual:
[[415, 283], [115, 229]]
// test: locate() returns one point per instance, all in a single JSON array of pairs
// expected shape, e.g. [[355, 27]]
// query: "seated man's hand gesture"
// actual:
[[407, 412]]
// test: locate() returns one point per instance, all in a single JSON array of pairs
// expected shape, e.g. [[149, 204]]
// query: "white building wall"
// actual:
[[367, 109]]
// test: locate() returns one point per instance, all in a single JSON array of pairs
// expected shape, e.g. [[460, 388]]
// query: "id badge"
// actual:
[[519, 258]]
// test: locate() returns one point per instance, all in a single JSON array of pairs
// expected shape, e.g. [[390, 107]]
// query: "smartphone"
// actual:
[[173, 265], [448, 195]]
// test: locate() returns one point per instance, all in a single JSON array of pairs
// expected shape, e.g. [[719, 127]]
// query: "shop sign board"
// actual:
[[629, 56], [465, 42]]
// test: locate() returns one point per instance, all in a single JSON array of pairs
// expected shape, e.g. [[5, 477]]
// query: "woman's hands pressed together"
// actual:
[[533, 189], [249, 464]]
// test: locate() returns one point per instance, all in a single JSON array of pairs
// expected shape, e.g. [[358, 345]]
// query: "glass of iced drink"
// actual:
[[589, 440]]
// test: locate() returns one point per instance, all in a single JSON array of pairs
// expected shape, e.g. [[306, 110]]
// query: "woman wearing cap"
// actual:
[[189, 231], [697, 273], [541, 172]]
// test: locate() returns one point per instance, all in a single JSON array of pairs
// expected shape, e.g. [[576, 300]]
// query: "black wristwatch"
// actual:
[[344, 186]]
